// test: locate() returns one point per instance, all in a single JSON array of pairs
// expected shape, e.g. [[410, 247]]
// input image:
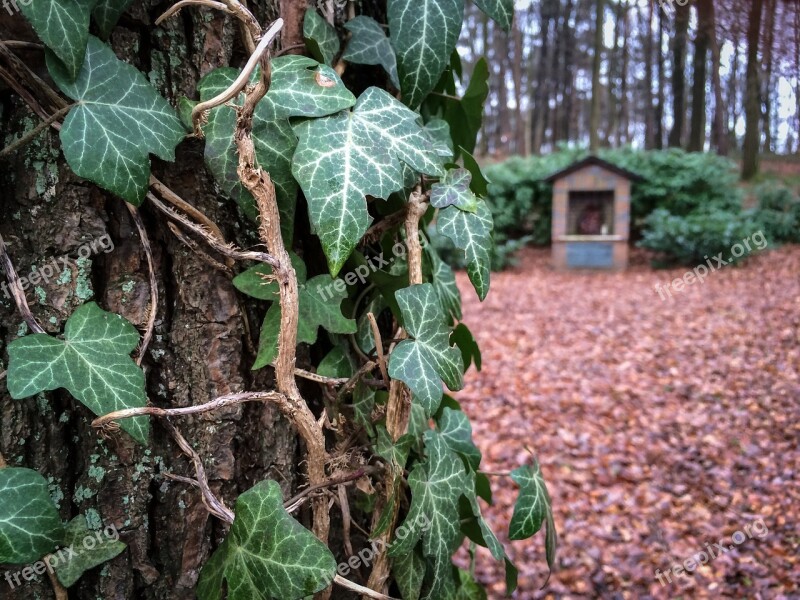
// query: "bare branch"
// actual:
[[151, 270], [175, 8], [376, 333], [364, 591], [16, 289], [11, 148]]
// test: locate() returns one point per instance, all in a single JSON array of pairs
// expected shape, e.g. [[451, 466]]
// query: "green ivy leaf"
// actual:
[[470, 352], [533, 503], [393, 452], [92, 362], [436, 486], [72, 568], [427, 359], [337, 364], [456, 431], [466, 115], [267, 554], [479, 183], [319, 305], [364, 337], [369, 45], [409, 573], [501, 11], [424, 34], [29, 523], [119, 120], [63, 26], [454, 190], [471, 233], [444, 282], [468, 588], [320, 37], [439, 131], [343, 158], [106, 13]]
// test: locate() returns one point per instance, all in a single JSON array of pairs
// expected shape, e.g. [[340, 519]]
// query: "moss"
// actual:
[[65, 277], [93, 520], [83, 284], [82, 493], [22, 329], [56, 493], [97, 473], [41, 295]]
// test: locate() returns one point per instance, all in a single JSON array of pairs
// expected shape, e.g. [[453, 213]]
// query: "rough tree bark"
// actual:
[[203, 338], [679, 46], [594, 115], [697, 131], [752, 102]]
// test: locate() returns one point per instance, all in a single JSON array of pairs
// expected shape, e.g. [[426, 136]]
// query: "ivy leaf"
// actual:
[[439, 131], [119, 120], [533, 503], [320, 37], [337, 364], [444, 282], [409, 573], [436, 486], [267, 554], [470, 352], [393, 452], [343, 158], [83, 559], [364, 336], [466, 115], [106, 13], [427, 359], [92, 362], [456, 431], [502, 11], [63, 26], [454, 190], [370, 46], [468, 588], [479, 183], [472, 233], [424, 34], [29, 523]]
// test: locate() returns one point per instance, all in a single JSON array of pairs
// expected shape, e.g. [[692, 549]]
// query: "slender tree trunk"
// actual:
[[594, 117], [770, 8], [719, 130], [752, 99], [624, 115], [649, 109], [519, 115], [679, 46], [540, 98], [697, 131], [662, 84]]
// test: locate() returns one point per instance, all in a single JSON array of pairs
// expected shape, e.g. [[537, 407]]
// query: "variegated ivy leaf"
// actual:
[[425, 360], [424, 34], [63, 26], [439, 131], [409, 573], [343, 158], [337, 364], [267, 554], [533, 506], [444, 282], [370, 46], [320, 37], [502, 11], [119, 120], [106, 13], [472, 233], [456, 431], [393, 452], [465, 116], [82, 558], [364, 336], [454, 190], [92, 362], [319, 305], [300, 87], [533, 503], [436, 485], [29, 523], [470, 352]]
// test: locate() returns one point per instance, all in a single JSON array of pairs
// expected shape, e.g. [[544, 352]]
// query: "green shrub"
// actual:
[[694, 238], [778, 213]]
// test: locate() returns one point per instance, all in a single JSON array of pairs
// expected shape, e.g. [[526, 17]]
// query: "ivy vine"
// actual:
[[375, 170]]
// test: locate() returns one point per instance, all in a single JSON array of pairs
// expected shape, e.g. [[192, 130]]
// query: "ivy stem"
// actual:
[[3, 463], [151, 271], [16, 289]]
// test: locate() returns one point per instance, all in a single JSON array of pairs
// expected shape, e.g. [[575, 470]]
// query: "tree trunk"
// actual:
[[649, 114], [752, 135], [662, 84], [770, 7], [679, 45], [719, 130], [203, 338], [697, 132], [594, 117], [519, 115]]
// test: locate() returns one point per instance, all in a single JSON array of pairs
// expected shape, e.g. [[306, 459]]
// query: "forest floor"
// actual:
[[663, 426]]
